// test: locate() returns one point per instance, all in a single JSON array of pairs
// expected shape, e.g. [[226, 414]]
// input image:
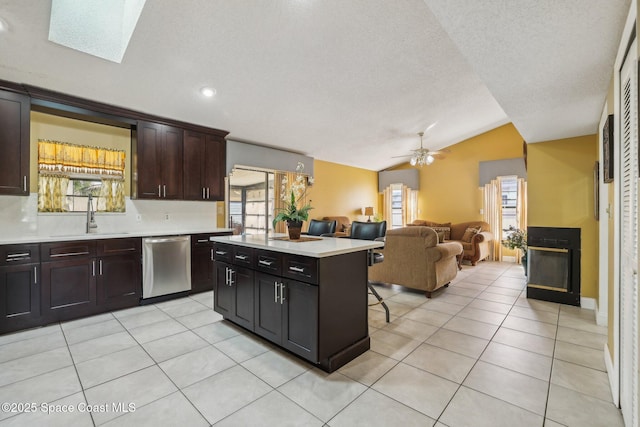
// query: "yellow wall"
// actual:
[[342, 191], [45, 126], [449, 188], [560, 194]]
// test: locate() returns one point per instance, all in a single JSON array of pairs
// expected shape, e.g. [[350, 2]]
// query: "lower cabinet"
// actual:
[[19, 287], [87, 277], [286, 313], [233, 294], [20, 296], [202, 269], [68, 288]]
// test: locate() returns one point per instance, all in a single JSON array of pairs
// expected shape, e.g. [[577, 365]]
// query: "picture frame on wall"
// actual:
[[607, 150]]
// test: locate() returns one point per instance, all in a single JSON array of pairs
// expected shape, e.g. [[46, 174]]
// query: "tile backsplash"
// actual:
[[19, 217]]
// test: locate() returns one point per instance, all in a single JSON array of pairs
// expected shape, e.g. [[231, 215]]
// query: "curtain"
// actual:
[[58, 160], [54, 156], [282, 190], [409, 205], [386, 205], [111, 198], [521, 207], [51, 193], [492, 208]]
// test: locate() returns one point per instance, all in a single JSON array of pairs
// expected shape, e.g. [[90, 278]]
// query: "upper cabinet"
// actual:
[[158, 149], [204, 166], [14, 143]]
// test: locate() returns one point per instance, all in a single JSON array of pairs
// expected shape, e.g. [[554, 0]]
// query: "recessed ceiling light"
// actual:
[[208, 91], [3, 26]]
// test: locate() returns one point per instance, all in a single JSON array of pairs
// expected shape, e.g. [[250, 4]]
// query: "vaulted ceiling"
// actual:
[[346, 81]]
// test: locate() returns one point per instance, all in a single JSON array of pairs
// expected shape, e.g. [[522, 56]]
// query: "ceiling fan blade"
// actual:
[[438, 156], [406, 155]]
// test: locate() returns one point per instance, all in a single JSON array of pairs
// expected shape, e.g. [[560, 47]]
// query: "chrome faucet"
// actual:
[[91, 215]]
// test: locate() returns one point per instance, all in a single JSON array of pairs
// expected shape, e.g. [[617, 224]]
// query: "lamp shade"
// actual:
[[368, 211]]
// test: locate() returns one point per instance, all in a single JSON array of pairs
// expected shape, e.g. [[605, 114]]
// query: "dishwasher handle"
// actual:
[[166, 239]]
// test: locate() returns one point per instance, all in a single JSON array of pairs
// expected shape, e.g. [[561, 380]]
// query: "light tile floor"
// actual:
[[477, 354]]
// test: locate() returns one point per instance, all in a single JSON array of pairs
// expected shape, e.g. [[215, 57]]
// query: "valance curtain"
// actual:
[[58, 161], [54, 156]]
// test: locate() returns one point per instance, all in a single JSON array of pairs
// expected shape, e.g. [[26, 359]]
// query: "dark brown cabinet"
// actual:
[[119, 273], [202, 257], [19, 287], [233, 293], [90, 276], [315, 307], [158, 164], [286, 313], [68, 280], [14, 143], [204, 166]]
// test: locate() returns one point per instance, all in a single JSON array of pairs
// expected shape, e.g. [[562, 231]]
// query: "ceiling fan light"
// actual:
[[430, 159], [413, 161]]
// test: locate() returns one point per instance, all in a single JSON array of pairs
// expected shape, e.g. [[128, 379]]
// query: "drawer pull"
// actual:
[[15, 257], [242, 257], [69, 254], [221, 252], [265, 262], [203, 240], [296, 269]]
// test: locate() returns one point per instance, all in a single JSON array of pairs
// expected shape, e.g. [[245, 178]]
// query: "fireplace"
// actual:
[[553, 261]]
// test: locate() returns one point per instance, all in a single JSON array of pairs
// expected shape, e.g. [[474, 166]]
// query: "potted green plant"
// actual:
[[295, 211], [517, 239]]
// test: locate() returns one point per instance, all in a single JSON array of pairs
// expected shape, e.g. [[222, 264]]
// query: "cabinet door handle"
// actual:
[[231, 273], [211, 254], [159, 195], [296, 269], [242, 257], [282, 288], [265, 262], [164, 190], [24, 183], [93, 268], [208, 197], [35, 275], [203, 192], [275, 292], [100, 266]]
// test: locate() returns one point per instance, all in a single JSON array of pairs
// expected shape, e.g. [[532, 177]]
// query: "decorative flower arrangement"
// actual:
[[517, 239], [293, 194]]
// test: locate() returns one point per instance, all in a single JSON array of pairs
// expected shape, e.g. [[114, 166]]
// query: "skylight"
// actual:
[[97, 27]]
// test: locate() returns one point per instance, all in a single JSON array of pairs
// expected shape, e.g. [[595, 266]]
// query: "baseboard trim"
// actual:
[[588, 303], [613, 376], [601, 318]]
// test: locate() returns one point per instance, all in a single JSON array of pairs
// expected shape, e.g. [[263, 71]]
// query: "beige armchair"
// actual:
[[414, 258]]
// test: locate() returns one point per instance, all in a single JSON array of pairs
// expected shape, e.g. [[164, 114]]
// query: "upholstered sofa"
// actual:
[[476, 245], [343, 225], [414, 258]]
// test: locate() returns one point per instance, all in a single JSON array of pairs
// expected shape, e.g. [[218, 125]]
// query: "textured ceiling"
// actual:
[[346, 81]]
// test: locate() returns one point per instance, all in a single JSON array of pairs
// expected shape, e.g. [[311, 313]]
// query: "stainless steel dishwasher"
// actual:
[[166, 265]]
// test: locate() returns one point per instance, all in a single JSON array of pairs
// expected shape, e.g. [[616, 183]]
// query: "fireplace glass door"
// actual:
[[552, 270]]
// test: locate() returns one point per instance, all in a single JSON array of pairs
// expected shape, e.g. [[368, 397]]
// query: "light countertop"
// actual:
[[322, 247], [106, 235]]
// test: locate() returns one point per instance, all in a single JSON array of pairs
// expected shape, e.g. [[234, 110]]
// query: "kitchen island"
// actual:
[[309, 297]]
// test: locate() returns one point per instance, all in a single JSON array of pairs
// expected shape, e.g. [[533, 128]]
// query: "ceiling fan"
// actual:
[[423, 156]]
